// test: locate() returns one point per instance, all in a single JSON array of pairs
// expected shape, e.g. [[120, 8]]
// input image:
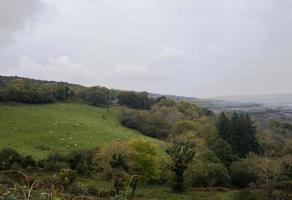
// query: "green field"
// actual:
[[39, 129]]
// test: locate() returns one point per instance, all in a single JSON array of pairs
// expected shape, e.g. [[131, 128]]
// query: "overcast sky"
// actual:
[[199, 48]]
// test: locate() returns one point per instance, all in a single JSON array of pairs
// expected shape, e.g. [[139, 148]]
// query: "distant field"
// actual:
[[40, 129]]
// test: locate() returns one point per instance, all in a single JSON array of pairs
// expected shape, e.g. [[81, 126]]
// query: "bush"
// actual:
[[150, 124], [218, 175], [249, 195], [28, 162], [286, 168], [135, 100], [9, 158], [210, 157], [54, 162], [143, 160], [210, 175], [97, 96], [66, 177], [262, 194], [242, 175], [184, 126], [199, 174], [223, 151], [81, 161]]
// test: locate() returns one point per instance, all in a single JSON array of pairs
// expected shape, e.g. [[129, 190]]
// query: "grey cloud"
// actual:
[[13, 16], [196, 48]]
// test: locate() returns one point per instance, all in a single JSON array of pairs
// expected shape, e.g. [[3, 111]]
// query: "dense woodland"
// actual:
[[200, 149]]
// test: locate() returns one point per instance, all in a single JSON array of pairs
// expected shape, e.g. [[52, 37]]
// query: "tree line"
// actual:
[[36, 92]]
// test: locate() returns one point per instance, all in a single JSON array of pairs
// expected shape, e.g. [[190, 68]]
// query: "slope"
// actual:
[[40, 129]]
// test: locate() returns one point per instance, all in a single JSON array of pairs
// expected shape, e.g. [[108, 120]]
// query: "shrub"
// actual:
[[184, 126], [218, 175], [286, 167], [261, 194], [143, 160], [81, 161], [135, 100], [209, 156], [199, 175], [97, 96], [223, 151], [242, 175], [150, 124], [209, 175], [28, 162], [54, 162], [9, 158], [66, 177], [249, 195]]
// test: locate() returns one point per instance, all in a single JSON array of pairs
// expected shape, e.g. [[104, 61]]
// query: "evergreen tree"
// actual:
[[223, 126], [239, 131], [242, 134]]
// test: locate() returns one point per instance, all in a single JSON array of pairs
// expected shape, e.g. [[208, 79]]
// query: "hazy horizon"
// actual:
[[202, 49]]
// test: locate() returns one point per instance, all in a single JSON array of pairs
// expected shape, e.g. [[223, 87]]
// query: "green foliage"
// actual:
[[165, 118], [281, 125], [135, 100], [223, 125], [81, 161], [60, 93], [199, 175], [240, 132], [287, 148], [286, 167], [210, 156], [204, 174], [223, 151], [262, 194], [184, 126], [143, 160], [153, 125], [97, 96], [33, 91], [181, 154], [9, 158], [66, 177], [136, 157], [242, 174], [54, 162], [218, 175], [28, 162]]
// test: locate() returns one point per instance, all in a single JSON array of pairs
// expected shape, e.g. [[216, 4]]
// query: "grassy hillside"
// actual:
[[40, 129]]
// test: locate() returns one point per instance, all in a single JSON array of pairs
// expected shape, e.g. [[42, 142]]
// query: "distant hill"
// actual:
[[274, 99]]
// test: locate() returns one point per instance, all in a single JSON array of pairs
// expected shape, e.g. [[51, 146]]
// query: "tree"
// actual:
[[223, 151], [243, 134], [239, 131], [218, 175], [181, 154], [135, 100], [98, 96], [60, 93], [222, 125], [143, 160]]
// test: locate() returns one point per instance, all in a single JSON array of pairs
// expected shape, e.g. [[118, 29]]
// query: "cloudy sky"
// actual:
[[198, 48]]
